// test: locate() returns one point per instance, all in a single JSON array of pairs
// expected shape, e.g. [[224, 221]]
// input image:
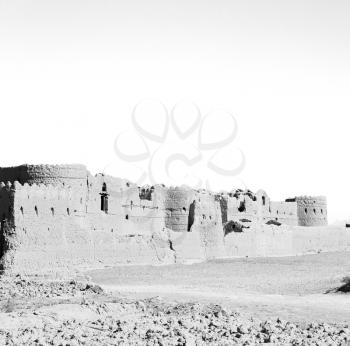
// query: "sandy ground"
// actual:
[[292, 288], [275, 301]]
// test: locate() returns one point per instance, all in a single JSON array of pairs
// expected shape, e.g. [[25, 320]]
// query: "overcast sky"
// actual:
[[71, 73]]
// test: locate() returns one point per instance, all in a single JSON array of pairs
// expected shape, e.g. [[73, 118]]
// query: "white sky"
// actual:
[[72, 71]]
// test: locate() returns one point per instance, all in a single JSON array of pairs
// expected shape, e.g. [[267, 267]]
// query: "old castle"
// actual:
[[58, 215]]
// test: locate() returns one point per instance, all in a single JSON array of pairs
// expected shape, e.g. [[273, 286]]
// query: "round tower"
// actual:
[[312, 211], [74, 175]]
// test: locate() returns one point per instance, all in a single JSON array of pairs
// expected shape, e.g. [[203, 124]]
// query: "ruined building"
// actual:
[[61, 215]]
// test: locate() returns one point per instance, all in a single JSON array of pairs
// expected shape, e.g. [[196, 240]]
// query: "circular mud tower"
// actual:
[[312, 211], [177, 205], [68, 175]]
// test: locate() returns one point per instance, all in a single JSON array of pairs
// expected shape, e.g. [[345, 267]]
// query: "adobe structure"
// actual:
[[57, 216]]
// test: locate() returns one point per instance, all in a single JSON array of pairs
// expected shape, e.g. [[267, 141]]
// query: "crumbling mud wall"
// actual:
[[63, 217], [241, 205]]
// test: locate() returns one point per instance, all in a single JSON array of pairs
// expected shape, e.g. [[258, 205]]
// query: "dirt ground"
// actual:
[[274, 301], [289, 287]]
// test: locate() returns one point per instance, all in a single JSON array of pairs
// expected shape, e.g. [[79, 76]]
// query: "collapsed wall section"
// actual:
[[256, 208]]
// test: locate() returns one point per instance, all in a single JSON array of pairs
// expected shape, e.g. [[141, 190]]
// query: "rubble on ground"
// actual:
[[112, 320]]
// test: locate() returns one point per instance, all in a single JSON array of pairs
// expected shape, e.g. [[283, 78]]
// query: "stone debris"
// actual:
[[121, 321]]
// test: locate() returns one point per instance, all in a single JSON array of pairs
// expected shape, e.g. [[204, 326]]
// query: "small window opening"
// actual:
[[314, 211], [305, 210], [126, 217], [68, 211], [241, 207], [53, 211], [36, 210], [104, 198], [21, 210], [104, 203], [263, 200]]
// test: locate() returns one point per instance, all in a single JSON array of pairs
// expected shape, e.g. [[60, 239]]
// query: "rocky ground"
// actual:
[[45, 312]]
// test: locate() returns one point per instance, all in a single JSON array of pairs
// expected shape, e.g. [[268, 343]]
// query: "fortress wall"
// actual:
[[207, 223], [265, 241], [284, 212], [285, 241], [48, 236], [242, 207], [59, 222], [312, 211], [127, 212], [46, 218]]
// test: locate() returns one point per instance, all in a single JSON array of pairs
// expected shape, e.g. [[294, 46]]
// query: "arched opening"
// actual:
[[22, 212], [36, 210], [104, 187], [305, 210], [263, 200], [52, 211], [68, 211]]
